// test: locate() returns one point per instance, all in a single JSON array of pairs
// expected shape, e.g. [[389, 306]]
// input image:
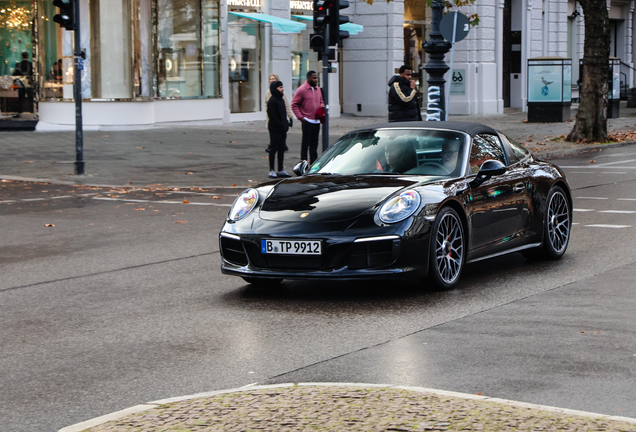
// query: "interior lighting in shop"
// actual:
[[14, 17]]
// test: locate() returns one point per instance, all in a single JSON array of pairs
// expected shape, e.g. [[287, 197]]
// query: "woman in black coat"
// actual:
[[277, 126]]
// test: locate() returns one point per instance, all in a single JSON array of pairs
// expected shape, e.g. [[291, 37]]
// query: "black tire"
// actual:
[[557, 224], [262, 282], [447, 251]]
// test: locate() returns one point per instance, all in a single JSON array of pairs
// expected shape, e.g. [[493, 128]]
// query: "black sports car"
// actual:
[[400, 201]]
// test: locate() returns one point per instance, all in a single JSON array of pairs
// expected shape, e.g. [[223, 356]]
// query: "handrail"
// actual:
[[625, 64]]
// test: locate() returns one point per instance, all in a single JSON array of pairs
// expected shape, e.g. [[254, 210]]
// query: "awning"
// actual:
[[350, 27], [281, 24]]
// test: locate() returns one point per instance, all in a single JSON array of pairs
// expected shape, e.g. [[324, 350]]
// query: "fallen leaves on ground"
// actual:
[[185, 201], [622, 136], [49, 225], [140, 208], [592, 161], [180, 221], [216, 197]]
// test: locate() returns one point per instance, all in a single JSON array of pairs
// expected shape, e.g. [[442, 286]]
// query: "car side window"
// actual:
[[485, 147], [516, 151]]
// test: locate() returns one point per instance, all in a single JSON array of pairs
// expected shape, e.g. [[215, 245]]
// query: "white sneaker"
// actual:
[[283, 173], [273, 174]]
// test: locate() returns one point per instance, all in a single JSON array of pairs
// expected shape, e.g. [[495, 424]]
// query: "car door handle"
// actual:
[[519, 187]]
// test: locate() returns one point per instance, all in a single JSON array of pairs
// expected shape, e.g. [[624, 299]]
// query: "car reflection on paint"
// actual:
[[400, 201]]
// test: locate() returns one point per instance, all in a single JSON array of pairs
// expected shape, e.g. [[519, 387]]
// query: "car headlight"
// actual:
[[400, 207], [244, 204]]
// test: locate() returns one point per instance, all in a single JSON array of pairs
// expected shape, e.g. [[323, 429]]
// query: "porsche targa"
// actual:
[[400, 201]]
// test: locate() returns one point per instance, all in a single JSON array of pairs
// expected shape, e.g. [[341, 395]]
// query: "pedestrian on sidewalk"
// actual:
[[278, 124], [305, 105], [272, 78], [403, 101]]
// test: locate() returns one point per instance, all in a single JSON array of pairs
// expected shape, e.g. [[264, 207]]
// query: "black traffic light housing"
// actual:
[[317, 39], [66, 17], [335, 19]]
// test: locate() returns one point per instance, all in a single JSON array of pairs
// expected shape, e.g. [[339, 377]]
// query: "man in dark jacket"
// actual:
[[277, 124], [403, 102]]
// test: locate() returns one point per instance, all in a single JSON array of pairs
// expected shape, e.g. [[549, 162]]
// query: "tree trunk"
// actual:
[[591, 118]]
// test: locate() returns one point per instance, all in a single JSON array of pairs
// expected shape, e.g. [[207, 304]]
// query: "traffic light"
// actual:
[[317, 42], [317, 39], [335, 19], [321, 7], [66, 17]]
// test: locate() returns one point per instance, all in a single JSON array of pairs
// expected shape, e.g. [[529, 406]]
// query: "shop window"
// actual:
[[244, 59], [187, 48], [303, 58], [16, 67]]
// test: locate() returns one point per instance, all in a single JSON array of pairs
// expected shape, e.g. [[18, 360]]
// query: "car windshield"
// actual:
[[395, 151]]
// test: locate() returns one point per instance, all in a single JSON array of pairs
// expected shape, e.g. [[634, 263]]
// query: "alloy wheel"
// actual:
[[449, 248], [558, 219]]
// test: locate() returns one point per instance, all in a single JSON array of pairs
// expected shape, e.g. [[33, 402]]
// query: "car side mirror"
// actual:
[[301, 168], [488, 169]]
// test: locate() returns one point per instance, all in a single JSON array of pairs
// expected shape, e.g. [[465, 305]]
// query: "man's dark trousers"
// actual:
[[310, 141]]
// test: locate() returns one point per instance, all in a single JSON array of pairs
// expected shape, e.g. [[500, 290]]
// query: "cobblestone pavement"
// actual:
[[352, 408]]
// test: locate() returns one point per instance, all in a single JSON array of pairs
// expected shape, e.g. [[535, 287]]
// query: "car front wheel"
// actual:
[[447, 250]]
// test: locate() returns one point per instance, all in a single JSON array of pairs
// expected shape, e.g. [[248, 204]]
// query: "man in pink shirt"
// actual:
[[305, 103]]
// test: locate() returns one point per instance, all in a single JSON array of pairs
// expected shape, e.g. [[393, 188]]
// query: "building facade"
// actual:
[[151, 62]]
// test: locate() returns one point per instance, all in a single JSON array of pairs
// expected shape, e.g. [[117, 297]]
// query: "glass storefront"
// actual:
[[244, 64], [187, 48], [304, 59], [127, 58], [16, 60]]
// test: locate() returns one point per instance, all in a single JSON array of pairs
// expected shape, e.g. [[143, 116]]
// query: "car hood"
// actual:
[[329, 198]]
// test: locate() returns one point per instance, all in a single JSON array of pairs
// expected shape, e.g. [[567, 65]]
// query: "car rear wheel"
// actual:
[[556, 227], [262, 281], [447, 250]]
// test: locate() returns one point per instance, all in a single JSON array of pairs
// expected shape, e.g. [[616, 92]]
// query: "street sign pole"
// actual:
[[325, 87], [78, 61], [450, 73]]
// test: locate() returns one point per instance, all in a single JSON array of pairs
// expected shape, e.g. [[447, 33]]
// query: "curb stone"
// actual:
[[119, 415]]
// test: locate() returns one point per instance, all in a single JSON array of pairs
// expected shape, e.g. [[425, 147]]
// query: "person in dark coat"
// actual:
[[278, 125], [403, 101]]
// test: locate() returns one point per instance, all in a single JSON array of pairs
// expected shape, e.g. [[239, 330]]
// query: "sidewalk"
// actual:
[[228, 155], [346, 407]]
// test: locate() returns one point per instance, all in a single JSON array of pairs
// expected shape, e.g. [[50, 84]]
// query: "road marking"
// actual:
[[595, 167], [599, 198], [575, 223], [626, 199], [46, 198], [581, 172], [160, 202], [613, 173], [583, 210], [618, 211], [615, 163], [608, 226]]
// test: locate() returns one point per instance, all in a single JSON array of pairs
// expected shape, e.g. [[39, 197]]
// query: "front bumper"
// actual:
[[343, 258]]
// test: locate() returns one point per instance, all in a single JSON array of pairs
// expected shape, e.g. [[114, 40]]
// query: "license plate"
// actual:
[[291, 247]]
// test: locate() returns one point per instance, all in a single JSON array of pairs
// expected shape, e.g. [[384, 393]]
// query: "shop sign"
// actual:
[[301, 5], [245, 3], [458, 82]]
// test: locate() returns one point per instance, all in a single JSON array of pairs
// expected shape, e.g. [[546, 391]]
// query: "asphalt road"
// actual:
[[122, 302]]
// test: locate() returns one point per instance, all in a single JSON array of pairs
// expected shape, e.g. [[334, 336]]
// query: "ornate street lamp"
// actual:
[[436, 47]]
